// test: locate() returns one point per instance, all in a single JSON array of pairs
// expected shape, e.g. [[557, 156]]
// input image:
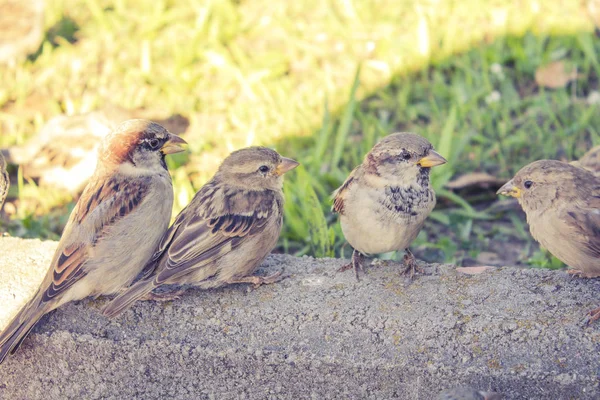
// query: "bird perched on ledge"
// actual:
[[226, 231], [113, 229], [384, 202], [562, 204]]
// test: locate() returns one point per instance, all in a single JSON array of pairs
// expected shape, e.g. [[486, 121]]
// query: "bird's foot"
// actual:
[[345, 267], [259, 280], [410, 263], [594, 315], [356, 264], [575, 272]]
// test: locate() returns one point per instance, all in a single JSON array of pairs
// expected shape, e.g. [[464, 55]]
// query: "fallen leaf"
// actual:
[[480, 179], [474, 270], [555, 75]]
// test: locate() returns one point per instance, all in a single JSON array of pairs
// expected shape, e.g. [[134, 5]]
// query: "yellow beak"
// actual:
[[285, 165], [431, 160], [509, 189], [173, 145]]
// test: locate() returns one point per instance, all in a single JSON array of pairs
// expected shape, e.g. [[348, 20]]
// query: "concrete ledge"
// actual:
[[317, 334]]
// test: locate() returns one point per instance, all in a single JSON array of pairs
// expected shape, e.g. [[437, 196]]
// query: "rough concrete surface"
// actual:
[[317, 334]]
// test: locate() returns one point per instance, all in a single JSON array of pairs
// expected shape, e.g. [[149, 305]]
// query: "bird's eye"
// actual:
[[407, 156], [527, 184], [154, 143], [264, 169]]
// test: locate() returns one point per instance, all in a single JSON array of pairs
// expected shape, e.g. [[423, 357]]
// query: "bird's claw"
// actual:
[[411, 266], [259, 280]]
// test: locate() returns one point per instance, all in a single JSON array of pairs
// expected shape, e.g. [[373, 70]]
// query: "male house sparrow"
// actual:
[[221, 237], [562, 203], [465, 393], [384, 202], [113, 229], [64, 153], [4, 181]]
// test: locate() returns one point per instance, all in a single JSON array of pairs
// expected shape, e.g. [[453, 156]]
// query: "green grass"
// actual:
[[321, 81]]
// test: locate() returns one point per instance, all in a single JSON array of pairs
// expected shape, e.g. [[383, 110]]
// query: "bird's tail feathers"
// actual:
[[126, 299], [20, 326]]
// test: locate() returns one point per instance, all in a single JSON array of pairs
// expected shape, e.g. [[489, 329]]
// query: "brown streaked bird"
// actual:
[[114, 228], [562, 204], [4, 181], [226, 231], [466, 393], [63, 154], [384, 202]]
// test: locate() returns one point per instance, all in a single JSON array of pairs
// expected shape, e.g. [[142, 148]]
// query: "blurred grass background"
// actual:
[[321, 81]]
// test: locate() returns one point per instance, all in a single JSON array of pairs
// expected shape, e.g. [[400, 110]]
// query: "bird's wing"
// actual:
[[585, 225], [101, 205], [582, 215], [214, 224], [340, 194]]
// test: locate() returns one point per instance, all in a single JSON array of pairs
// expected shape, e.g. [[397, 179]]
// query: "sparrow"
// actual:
[[562, 204], [590, 160], [468, 394], [114, 228], [22, 27], [384, 202], [64, 153], [230, 226], [4, 181]]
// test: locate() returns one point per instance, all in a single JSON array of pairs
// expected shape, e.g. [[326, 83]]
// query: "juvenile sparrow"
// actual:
[[63, 154], [384, 202], [221, 237], [4, 181], [562, 204], [466, 393], [113, 229]]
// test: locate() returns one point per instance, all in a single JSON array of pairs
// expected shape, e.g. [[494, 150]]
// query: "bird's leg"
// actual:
[[410, 262], [594, 315], [258, 280], [163, 296], [356, 264]]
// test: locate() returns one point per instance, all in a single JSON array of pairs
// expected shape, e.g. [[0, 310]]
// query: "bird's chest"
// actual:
[[386, 219]]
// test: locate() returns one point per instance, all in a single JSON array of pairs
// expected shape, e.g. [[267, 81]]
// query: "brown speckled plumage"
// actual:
[[562, 204], [221, 237], [385, 200], [113, 229]]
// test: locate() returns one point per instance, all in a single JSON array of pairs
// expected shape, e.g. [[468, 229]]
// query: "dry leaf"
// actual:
[[473, 270], [480, 179], [555, 75]]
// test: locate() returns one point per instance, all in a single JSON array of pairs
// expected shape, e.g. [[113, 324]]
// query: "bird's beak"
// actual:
[[509, 189], [431, 160], [173, 145], [285, 165]]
